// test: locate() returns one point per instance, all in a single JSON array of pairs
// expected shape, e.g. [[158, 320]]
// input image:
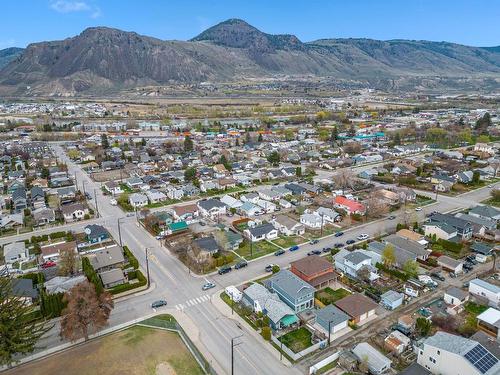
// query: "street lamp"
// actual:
[[232, 351]]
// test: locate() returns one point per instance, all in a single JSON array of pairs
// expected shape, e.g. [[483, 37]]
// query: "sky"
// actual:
[[470, 22]]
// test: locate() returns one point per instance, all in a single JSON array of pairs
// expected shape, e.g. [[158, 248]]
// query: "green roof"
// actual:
[[175, 227]]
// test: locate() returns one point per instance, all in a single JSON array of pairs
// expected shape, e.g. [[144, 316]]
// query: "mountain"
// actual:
[[103, 60], [9, 54]]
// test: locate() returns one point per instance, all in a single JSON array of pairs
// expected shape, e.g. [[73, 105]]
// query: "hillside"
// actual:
[[102, 59], [9, 54]]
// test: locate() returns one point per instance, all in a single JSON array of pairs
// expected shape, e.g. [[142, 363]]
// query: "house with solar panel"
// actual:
[[448, 354]]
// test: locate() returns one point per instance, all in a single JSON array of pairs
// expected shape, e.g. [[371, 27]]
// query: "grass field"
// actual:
[[289, 241], [297, 340], [328, 296], [257, 250], [134, 351]]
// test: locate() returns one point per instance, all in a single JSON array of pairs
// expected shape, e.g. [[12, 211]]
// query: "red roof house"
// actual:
[[348, 205]]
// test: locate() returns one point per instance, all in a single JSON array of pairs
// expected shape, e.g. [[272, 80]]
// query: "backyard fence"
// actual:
[[314, 368], [296, 356]]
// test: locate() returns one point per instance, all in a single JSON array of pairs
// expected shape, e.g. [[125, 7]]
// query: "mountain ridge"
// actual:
[[103, 58]]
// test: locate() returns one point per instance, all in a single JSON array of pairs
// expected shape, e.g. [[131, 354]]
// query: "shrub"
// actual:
[[398, 274], [131, 258], [450, 246], [126, 287], [57, 235], [266, 333], [91, 275]]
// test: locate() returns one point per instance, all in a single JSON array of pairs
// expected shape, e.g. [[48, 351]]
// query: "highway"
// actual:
[[172, 281]]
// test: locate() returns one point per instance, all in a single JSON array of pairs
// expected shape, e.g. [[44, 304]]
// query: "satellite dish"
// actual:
[[88, 231]]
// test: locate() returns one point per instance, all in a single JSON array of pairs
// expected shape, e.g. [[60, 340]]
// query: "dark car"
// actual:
[[279, 252], [327, 249], [224, 269], [338, 234], [316, 252], [438, 276], [350, 242], [159, 303], [269, 268], [88, 196], [313, 242], [392, 217], [338, 245], [294, 248], [240, 264], [468, 266]]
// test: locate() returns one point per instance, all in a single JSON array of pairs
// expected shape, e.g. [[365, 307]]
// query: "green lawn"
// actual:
[[329, 296], [492, 202], [474, 308], [297, 340], [257, 250], [327, 231], [288, 241]]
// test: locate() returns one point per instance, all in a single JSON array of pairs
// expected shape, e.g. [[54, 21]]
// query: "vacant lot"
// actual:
[[297, 340], [109, 175], [135, 351], [328, 296], [256, 250]]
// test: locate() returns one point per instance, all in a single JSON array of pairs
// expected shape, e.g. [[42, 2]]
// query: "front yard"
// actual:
[[256, 250], [289, 241], [329, 296], [297, 340]]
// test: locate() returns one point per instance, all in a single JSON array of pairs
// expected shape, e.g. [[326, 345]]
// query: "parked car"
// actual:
[[338, 245], [338, 234], [208, 286], [418, 209], [224, 269], [327, 249], [89, 197], [113, 202], [294, 248], [279, 252], [269, 267], [438, 276], [160, 237], [362, 236], [130, 214], [350, 242], [313, 242], [159, 303], [392, 217], [240, 264], [49, 264]]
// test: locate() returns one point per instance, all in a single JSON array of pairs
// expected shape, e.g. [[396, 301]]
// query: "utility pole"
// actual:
[[251, 247], [329, 331], [120, 232], [84, 192], [322, 216], [147, 266], [76, 181], [96, 207], [232, 351]]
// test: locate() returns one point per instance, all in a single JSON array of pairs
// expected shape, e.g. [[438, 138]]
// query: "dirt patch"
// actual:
[[134, 351], [110, 175]]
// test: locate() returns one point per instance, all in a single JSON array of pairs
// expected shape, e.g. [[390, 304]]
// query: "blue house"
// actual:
[[96, 233], [292, 290]]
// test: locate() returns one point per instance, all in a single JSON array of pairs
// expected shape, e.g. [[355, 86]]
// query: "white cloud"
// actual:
[[71, 6]]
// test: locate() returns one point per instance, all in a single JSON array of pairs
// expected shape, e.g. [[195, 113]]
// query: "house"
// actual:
[[233, 240], [417, 250], [489, 322], [479, 225], [112, 277], [312, 221], [376, 361], [396, 342], [287, 226], [331, 318], [12, 220], [443, 186], [15, 252], [138, 200], [155, 196], [412, 236], [95, 233], [352, 262], [314, 270], [328, 215], [190, 190], [37, 197], [295, 189], [188, 212], [19, 201], [292, 290], [350, 206], [261, 300], [134, 183], [486, 212], [444, 353], [62, 284], [441, 230], [455, 296], [249, 209], [463, 227], [250, 197], [211, 208], [358, 307], [266, 206], [43, 216], [113, 188], [231, 202], [485, 290], [207, 245], [66, 194], [14, 185], [24, 289], [391, 299], [484, 147], [261, 232], [482, 250], [270, 194], [174, 192], [53, 252], [106, 259], [450, 264], [74, 211]]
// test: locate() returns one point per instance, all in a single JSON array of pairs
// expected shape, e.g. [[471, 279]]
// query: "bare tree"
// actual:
[[344, 179], [86, 312], [68, 265], [375, 207]]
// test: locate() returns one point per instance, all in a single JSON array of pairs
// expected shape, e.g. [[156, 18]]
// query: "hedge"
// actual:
[[126, 287], [450, 246], [131, 258], [52, 305], [36, 277], [56, 235], [91, 275], [398, 274]]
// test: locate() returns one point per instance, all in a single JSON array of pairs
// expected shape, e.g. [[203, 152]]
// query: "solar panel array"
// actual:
[[481, 359]]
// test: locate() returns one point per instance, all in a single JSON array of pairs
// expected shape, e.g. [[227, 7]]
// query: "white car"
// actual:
[[418, 209], [113, 202], [362, 237]]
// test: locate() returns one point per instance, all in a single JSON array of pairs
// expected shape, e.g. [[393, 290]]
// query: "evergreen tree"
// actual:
[[19, 334], [104, 141], [188, 144], [260, 138], [274, 158], [335, 134]]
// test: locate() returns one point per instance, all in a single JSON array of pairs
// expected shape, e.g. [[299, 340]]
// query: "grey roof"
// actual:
[[444, 227], [376, 360], [24, 288], [490, 287], [291, 284], [402, 255], [331, 314], [391, 296], [481, 247], [286, 221], [456, 292], [480, 221], [61, 284], [112, 276], [486, 211], [14, 248], [208, 204], [96, 231], [106, 257], [415, 369], [207, 243], [19, 193], [275, 308], [356, 257], [37, 192], [455, 222], [407, 244], [261, 229]]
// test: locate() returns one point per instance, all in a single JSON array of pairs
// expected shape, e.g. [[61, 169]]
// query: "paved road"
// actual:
[[172, 281]]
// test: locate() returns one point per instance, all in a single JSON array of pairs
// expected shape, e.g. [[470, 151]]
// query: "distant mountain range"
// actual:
[[102, 59]]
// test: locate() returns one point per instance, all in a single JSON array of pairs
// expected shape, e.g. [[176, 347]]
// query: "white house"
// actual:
[[287, 226], [138, 200], [351, 262], [311, 220], [113, 188], [485, 290], [15, 252], [211, 208], [440, 230], [329, 215], [231, 202], [155, 196], [261, 232], [268, 207], [174, 192]]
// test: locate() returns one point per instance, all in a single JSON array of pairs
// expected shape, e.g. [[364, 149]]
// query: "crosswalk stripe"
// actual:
[[206, 298], [188, 303], [178, 307], [193, 301], [198, 300]]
